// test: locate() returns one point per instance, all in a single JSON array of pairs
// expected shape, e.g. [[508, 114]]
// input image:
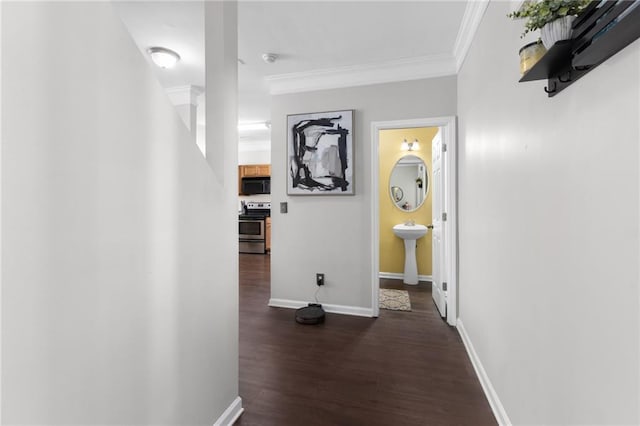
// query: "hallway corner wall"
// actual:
[[119, 251], [549, 232]]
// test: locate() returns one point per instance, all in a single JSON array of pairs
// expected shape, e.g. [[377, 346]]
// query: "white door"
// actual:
[[438, 243]]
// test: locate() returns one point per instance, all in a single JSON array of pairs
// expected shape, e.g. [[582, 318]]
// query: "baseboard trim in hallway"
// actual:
[[494, 401], [335, 309], [396, 276], [231, 414]]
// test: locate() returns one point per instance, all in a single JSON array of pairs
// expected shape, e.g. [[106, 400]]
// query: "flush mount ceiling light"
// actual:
[[250, 126], [269, 58], [163, 57], [410, 146]]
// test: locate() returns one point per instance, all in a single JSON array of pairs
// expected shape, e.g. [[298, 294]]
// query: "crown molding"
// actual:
[[473, 14], [363, 75], [387, 72], [184, 95]]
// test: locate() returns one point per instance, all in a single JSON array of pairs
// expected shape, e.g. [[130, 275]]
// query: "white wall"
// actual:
[[1, 209], [119, 264], [549, 239], [254, 156], [332, 234]]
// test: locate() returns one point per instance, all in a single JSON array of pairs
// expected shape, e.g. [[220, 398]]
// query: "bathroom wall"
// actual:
[[392, 247], [549, 232], [332, 234]]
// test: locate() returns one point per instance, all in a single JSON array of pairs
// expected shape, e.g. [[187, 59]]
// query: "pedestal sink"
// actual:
[[410, 233]]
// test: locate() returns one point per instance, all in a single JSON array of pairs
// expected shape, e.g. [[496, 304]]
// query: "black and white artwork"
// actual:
[[320, 153]]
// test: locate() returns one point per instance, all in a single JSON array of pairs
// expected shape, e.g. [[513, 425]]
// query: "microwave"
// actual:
[[256, 185]]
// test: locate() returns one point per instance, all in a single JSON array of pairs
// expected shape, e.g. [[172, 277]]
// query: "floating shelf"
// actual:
[[556, 60], [601, 31]]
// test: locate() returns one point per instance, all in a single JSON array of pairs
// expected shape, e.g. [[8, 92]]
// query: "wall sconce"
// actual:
[[163, 57], [410, 146]]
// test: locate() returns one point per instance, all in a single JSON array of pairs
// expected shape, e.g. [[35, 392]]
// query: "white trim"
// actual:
[[494, 401], [470, 22], [362, 75], [334, 309], [231, 414], [1, 222], [448, 126], [450, 227], [638, 246], [375, 220], [397, 276], [183, 95], [638, 122]]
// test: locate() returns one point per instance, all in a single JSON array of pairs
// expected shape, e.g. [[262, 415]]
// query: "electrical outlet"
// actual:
[[319, 279], [283, 207]]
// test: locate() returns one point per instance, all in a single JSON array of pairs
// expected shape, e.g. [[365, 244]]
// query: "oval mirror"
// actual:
[[408, 184]]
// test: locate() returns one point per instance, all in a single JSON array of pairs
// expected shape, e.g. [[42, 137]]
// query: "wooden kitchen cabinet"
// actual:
[[255, 170], [267, 234]]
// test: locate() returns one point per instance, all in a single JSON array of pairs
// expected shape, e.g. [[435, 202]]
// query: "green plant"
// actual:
[[540, 13]]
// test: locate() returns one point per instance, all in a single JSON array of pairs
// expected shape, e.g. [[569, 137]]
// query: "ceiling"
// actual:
[[317, 41]]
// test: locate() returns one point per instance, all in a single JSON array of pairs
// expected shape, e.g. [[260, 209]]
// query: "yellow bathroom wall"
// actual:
[[392, 247]]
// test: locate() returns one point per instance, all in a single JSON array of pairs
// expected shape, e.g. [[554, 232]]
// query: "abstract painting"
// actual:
[[320, 153]]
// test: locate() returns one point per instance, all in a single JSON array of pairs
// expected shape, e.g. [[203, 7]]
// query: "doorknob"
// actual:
[[430, 226]]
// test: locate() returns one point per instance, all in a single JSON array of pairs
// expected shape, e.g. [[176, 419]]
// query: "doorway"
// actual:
[[447, 248]]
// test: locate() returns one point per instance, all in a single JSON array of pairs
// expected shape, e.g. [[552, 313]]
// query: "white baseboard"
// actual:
[[335, 309], [231, 414], [494, 401], [396, 276]]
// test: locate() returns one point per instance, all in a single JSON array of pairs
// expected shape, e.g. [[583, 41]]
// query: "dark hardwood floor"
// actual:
[[403, 368]]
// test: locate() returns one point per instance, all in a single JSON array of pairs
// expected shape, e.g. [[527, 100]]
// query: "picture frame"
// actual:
[[320, 156]]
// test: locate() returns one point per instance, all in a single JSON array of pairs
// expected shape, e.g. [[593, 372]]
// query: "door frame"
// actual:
[[447, 125]]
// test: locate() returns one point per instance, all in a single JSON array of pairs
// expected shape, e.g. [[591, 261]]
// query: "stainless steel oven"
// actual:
[[252, 227], [251, 231]]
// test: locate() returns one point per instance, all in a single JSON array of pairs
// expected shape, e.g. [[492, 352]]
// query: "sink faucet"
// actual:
[[410, 222]]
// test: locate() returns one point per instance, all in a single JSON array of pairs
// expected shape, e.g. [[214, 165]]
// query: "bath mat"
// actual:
[[395, 300]]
